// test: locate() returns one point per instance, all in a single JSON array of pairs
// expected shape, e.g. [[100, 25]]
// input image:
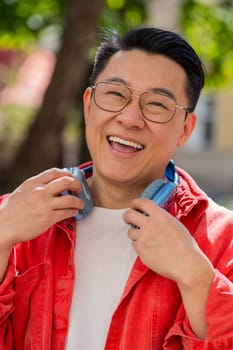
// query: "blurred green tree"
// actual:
[[208, 25], [24, 22]]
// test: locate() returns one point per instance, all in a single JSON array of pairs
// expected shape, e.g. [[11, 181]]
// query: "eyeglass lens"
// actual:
[[155, 106]]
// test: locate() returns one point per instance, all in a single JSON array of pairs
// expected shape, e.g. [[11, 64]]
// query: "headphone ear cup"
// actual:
[[160, 191], [85, 193], [152, 188]]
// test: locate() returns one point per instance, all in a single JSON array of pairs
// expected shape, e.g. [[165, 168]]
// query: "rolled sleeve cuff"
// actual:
[[219, 316]]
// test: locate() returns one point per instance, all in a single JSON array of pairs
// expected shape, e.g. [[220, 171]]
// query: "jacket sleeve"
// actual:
[[219, 315], [219, 309], [7, 294]]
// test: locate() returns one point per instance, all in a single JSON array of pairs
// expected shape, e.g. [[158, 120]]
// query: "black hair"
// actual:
[[157, 41]]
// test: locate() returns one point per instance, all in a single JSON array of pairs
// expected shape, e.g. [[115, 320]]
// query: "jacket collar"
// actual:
[[188, 197]]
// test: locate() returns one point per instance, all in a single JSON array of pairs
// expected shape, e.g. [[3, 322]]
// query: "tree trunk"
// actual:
[[42, 147]]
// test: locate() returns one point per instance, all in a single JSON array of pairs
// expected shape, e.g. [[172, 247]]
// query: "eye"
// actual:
[[115, 93], [156, 104]]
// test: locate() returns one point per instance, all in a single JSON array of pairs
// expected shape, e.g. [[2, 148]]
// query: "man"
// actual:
[[130, 274]]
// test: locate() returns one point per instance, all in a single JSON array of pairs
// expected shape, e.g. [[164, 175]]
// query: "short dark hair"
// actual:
[[157, 41]]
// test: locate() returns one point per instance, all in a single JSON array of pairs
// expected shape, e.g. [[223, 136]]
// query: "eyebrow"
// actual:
[[160, 90], [117, 80], [164, 91]]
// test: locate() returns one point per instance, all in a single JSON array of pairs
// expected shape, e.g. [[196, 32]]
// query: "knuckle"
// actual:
[[54, 171], [37, 197], [67, 181], [76, 202], [26, 183], [50, 174]]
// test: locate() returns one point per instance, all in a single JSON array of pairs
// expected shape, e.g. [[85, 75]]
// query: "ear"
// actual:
[[188, 127], [86, 102]]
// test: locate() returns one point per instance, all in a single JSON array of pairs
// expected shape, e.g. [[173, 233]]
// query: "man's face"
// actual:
[[126, 148]]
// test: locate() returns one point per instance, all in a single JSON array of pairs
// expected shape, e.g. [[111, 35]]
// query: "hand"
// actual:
[[37, 204], [164, 244]]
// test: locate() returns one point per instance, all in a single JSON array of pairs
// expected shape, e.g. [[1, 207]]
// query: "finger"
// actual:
[[144, 205], [47, 176], [60, 215], [62, 184], [134, 217], [134, 233], [67, 202]]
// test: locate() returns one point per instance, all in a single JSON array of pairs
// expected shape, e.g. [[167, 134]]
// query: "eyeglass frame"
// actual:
[[186, 109]]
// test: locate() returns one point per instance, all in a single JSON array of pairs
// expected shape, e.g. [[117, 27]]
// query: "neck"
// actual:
[[112, 196]]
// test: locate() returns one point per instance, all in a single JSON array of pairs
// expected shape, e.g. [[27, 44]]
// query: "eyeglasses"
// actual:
[[156, 106]]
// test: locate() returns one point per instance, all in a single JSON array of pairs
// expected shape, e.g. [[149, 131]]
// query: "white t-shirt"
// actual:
[[104, 257]]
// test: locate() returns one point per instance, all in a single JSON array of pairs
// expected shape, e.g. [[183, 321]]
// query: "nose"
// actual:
[[131, 116]]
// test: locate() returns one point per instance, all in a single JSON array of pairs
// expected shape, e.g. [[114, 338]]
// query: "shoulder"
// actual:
[[195, 203]]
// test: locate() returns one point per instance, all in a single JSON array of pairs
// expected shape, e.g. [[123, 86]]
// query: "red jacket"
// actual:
[[35, 296]]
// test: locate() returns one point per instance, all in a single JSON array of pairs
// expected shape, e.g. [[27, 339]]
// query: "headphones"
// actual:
[[85, 193], [159, 191]]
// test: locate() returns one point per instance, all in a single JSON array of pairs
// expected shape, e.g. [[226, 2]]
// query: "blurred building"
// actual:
[[32, 78], [208, 155]]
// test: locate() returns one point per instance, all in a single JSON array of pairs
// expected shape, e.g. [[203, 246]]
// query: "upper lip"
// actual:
[[124, 141]]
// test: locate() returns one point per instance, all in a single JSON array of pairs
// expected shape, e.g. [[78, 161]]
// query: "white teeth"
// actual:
[[125, 142]]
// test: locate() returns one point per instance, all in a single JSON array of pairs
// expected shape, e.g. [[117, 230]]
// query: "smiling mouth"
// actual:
[[131, 145]]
